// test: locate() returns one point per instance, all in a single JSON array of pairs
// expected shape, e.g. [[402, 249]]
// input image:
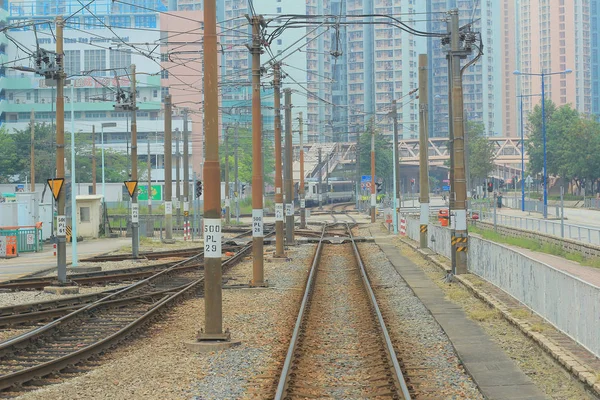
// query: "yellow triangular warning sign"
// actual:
[[131, 187], [55, 185]]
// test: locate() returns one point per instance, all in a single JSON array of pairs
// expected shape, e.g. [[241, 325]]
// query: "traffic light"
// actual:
[[379, 186], [412, 182], [243, 188], [198, 188], [490, 187]]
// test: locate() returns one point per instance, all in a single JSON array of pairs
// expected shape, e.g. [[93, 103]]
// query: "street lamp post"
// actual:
[[523, 150], [544, 172], [102, 126]]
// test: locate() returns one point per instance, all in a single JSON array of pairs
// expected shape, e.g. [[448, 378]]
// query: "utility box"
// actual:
[[8, 247]]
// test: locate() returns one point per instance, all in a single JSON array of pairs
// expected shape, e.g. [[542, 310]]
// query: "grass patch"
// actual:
[[539, 327], [535, 245], [482, 313], [457, 294], [598, 377], [520, 313]]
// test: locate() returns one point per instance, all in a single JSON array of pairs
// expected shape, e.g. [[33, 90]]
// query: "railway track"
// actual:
[[340, 346], [34, 358]]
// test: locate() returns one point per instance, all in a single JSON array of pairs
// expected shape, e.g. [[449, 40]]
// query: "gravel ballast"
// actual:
[[420, 342]]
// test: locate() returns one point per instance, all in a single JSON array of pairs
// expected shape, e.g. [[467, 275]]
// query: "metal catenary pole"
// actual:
[[279, 251], [237, 183], [212, 181], [135, 238], [452, 26], [61, 247], [320, 187], [168, 170], [459, 184], [227, 201], [94, 159], [289, 178], [373, 191], [423, 145], [149, 183], [186, 175], [257, 176], [396, 204], [74, 258], [177, 179], [32, 153], [301, 188], [358, 176]]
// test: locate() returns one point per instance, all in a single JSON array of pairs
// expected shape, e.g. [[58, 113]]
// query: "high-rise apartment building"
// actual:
[[553, 37], [482, 82], [595, 54]]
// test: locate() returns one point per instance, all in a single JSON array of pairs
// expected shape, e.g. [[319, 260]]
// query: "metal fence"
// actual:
[[28, 239], [584, 234], [592, 203], [438, 238], [569, 303]]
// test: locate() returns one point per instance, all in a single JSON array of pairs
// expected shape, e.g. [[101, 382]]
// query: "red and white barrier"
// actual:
[[403, 226], [54, 246]]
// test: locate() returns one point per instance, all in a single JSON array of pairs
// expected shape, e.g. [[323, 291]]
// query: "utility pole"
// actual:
[[177, 179], [150, 183], [186, 177], [396, 167], [94, 159], [358, 176], [320, 187], [237, 183], [213, 314], [257, 23], [168, 171], [32, 151], [301, 194], [423, 146], [227, 201], [135, 238], [373, 191], [279, 251], [458, 195], [61, 247], [289, 178]]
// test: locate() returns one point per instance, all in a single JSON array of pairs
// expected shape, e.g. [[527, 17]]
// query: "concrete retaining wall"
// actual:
[[570, 304]]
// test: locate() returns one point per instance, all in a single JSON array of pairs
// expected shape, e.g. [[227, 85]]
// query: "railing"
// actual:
[[578, 233], [592, 203], [29, 238]]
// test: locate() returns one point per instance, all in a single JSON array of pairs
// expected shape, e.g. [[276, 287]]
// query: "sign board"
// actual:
[[529, 180], [257, 223], [155, 192], [388, 216], [289, 209], [61, 226], [135, 213], [446, 188], [278, 211], [131, 187], [212, 238], [30, 238], [365, 178], [55, 185], [168, 208], [446, 181], [302, 203]]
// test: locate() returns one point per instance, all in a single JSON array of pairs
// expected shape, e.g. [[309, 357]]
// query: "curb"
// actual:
[[577, 370]]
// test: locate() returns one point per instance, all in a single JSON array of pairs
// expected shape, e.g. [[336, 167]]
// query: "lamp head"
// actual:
[[567, 71], [516, 72]]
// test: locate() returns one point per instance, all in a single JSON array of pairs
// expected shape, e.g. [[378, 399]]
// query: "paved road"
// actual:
[[27, 263]]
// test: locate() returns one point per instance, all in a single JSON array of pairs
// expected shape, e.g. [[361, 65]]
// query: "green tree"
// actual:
[[384, 161], [480, 150], [9, 159], [245, 156], [45, 152]]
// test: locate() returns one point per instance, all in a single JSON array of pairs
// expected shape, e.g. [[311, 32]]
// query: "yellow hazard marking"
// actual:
[[423, 228], [461, 248], [131, 187], [55, 184]]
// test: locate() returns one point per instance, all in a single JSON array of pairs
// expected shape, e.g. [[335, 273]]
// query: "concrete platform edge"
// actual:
[[577, 370]]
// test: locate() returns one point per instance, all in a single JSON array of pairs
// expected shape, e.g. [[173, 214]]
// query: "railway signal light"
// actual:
[[198, 188], [243, 188], [412, 182], [490, 187], [379, 186]]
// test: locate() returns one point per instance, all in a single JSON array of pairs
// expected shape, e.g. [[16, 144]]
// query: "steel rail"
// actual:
[[398, 376], [67, 360], [287, 365]]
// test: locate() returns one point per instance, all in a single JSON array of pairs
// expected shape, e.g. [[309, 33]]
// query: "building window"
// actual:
[[95, 60], [164, 74], [155, 93], [84, 214], [28, 95], [145, 21], [93, 22], [120, 59], [72, 62], [120, 21], [279, 41], [164, 91], [164, 57], [279, 10]]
